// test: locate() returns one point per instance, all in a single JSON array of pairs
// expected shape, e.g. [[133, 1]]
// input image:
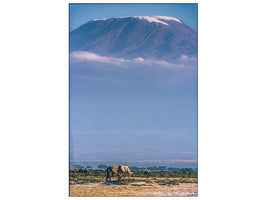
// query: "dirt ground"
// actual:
[[133, 189]]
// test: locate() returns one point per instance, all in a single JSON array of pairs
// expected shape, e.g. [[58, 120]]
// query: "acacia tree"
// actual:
[[102, 166]]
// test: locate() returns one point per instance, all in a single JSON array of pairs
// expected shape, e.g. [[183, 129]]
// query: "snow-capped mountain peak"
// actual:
[[149, 37]]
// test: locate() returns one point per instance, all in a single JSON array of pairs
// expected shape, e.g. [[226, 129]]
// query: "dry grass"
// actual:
[[139, 187]]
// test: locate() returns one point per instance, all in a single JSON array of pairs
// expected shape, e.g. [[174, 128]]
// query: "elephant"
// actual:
[[117, 171]]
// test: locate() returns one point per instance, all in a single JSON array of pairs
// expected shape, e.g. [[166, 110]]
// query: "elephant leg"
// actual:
[[119, 176], [109, 174], [107, 177]]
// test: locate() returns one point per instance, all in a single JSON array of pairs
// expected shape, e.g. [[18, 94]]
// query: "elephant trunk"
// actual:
[[130, 173]]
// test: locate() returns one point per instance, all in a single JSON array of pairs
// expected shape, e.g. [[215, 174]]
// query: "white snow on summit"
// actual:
[[99, 19], [156, 19], [151, 19], [168, 18]]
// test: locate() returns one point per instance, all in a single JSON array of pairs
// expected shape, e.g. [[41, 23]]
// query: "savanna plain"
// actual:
[[84, 182]]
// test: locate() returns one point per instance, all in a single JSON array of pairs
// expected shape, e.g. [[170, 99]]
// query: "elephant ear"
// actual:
[[120, 168], [124, 169]]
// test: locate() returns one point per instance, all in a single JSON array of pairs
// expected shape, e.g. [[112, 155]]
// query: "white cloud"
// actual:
[[139, 59], [80, 56], [184, 58], [87, 56]]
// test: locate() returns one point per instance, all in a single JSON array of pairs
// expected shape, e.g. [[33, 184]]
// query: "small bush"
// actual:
[[102, 166], [174, 182], [78, 167]]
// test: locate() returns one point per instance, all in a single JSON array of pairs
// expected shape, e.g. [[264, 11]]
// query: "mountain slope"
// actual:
[[158, 37]]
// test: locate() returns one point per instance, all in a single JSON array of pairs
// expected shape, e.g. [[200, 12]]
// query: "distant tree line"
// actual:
[[134, 168], [157, 174]]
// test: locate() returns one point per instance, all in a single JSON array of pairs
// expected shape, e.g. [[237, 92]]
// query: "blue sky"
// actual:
[[132, 111], [82, 13]]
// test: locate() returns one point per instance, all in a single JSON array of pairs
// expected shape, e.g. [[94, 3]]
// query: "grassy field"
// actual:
[[158, 183]]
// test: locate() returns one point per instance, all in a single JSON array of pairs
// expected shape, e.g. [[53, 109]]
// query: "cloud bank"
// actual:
[[83, 56]]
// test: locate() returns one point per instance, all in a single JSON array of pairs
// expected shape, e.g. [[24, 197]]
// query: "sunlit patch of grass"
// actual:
[[85, 179], [174, 181], [147, 180]]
